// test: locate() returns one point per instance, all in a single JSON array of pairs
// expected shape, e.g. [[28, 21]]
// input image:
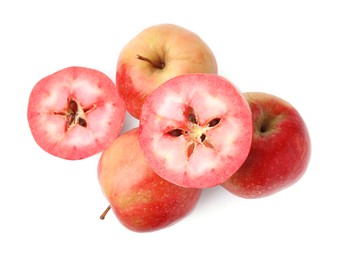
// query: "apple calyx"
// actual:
[[103, 215], [267, 124], [154, 63], [74, 114], [194, 133]]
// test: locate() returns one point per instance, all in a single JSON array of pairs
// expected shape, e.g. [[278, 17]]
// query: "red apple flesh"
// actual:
[[280, 150], [141, 200], [196, 130], [75, 112], [155, 55]]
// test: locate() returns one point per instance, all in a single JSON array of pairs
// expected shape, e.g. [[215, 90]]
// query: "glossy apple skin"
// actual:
[[280, 151], [140, 199], [181, 50]]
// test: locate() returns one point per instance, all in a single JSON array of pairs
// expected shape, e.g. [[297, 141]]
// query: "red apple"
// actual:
[[280, 150], [75, 112], [196, 130], [141, 200], [155, 55]]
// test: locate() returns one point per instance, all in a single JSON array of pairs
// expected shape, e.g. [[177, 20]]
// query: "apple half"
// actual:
[[196, 130], [75, 112]]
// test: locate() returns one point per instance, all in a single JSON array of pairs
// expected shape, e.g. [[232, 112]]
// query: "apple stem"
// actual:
[[156, 64], [103, 215]]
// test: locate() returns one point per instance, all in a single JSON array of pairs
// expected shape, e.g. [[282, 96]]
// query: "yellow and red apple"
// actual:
[[141, 200], [156, 55]]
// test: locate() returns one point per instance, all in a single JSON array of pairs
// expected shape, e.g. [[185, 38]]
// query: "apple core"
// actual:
[[195, 133], [74, 114]]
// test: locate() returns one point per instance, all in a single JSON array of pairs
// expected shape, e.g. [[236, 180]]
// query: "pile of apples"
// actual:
[[196, 129]]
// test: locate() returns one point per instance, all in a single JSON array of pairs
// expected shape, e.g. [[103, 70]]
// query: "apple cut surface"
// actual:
[[75, 112], [196, 130]]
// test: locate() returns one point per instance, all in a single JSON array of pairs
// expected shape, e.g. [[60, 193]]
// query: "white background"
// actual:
[[50, 207]]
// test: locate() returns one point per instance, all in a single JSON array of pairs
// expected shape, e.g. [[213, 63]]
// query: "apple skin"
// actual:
[[141, 200], [280, 151], [179, 50]]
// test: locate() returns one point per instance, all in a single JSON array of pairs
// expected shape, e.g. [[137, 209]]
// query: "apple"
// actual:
[[141, 200], [280, 150], [75, 112], [196, 130], [156, 54]]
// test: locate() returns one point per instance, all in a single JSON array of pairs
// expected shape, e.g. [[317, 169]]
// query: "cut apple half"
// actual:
[[196, 130], [75, 113]]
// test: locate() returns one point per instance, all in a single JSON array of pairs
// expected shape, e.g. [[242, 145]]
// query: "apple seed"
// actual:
[[73, 106], [176, 132], [214, 122]]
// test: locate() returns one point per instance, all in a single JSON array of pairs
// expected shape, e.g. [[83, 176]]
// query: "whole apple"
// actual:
[[280, 150], [156, 55], [141, 200]]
